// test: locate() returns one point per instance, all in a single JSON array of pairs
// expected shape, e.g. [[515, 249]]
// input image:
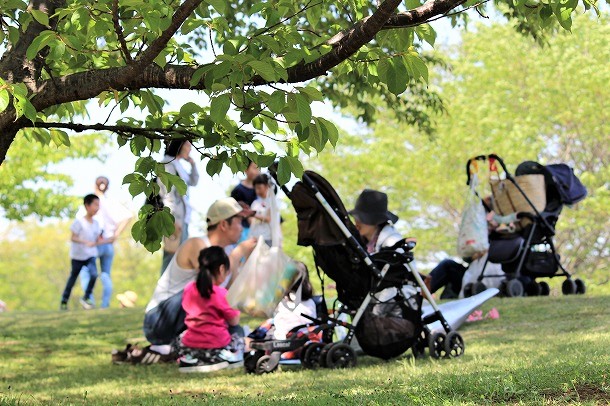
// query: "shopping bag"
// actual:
[[473, 237], [262, 281]]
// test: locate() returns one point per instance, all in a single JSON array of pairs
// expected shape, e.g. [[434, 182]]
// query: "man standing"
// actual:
[[113, 217]]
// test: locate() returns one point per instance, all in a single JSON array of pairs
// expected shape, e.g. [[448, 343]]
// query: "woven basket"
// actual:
[[507, 199]]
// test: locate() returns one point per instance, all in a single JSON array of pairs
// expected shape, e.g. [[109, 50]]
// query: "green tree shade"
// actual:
[[254, 68], [518, 100], [30, 186]]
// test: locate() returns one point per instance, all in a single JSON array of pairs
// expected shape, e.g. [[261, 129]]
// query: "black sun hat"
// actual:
[[372, 208]]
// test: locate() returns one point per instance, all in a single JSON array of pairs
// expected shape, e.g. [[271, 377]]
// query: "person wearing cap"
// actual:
[[374, 221], [164, 319]]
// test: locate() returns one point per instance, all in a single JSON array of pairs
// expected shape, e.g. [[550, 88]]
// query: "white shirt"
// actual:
[[289, 316], [110, 215], [259, 227], [86, 231]]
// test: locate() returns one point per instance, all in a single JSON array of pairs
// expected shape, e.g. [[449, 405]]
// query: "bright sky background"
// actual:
[[121, 161]]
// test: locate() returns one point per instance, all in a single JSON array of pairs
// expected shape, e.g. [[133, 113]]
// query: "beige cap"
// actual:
[[223, 209], [128, 298]]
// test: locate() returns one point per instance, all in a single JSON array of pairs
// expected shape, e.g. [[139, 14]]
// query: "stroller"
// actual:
[[533, 199], [382, 293]]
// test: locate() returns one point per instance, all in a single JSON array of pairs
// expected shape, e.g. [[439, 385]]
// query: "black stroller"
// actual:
[[385, 327], [529, 252]]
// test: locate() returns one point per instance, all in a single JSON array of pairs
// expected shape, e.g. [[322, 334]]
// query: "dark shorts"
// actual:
[[164, 323]]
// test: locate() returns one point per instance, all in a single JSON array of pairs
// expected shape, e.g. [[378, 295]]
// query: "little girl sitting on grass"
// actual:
[[213, 339]]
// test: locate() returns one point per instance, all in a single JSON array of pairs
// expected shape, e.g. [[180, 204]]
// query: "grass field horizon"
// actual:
[[542, 350]]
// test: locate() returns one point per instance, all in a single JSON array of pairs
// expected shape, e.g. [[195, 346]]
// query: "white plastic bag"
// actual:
[[473, 237], [494, 275], [262, 281]]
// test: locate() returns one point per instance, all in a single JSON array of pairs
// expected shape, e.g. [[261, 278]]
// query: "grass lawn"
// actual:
[[542, 350]]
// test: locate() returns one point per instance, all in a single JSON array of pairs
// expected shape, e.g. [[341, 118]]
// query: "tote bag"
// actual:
[[264, 278], [473, 237]]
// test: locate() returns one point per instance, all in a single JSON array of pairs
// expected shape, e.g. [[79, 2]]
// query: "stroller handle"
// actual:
[[491, 158]]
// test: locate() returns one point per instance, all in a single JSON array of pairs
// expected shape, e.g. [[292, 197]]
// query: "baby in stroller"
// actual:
[[291, 326]]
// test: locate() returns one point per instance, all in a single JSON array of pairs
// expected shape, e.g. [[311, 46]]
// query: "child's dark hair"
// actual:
[[302, 278], [210, 260], [261, 179], [89, 199]]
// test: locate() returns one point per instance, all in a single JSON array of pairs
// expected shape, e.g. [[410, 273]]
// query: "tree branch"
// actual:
[[119, 31]]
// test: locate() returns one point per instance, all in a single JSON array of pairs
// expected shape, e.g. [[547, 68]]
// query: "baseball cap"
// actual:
[[223, 209]]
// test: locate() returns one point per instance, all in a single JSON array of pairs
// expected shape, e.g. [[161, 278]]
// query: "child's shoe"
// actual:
[[86, 303], [235, 359], [191, 364]]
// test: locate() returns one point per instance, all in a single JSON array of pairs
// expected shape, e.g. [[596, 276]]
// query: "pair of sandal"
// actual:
[[132, 354]]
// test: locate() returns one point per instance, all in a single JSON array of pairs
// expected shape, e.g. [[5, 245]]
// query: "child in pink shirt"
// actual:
[[213, 339]]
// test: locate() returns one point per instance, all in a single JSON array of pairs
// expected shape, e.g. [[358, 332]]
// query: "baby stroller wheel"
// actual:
[[533, 289], [263, 365], [323, 354], [545, 289], [478, 288], [250, 360], [468, 290], [340, 355], [454, 344], [311, 355], [514, 288], [436, 345], [580, 287], [419, 349], [568, 287]]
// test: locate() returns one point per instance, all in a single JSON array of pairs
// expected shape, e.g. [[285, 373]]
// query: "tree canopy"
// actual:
[[519, 100], [259, 65]]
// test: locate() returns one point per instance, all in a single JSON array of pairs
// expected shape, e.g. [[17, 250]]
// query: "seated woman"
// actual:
[[213, 339], [374, 221]]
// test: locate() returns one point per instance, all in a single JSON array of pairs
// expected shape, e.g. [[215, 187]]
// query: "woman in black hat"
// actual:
[[374, 221]]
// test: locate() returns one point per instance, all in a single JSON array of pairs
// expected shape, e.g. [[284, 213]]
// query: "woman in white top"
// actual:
[[176, 152]]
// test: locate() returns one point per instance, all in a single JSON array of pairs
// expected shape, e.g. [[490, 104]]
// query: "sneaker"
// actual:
[[63, 306], [86, 303], [235, 359], [190, 364]]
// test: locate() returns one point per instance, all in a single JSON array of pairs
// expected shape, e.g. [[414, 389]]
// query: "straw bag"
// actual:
[[507, 199]]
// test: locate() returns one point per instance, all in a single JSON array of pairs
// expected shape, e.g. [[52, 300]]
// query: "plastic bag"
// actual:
[[473, 237], [493, 274], [262, 281]]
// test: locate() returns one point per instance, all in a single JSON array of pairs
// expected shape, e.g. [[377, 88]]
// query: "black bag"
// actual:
[[385, 336]]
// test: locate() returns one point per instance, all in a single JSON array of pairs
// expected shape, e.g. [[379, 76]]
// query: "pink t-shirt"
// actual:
[[206, 319]]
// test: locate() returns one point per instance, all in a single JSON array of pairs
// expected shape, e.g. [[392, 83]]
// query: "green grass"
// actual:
[[550, 350]]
